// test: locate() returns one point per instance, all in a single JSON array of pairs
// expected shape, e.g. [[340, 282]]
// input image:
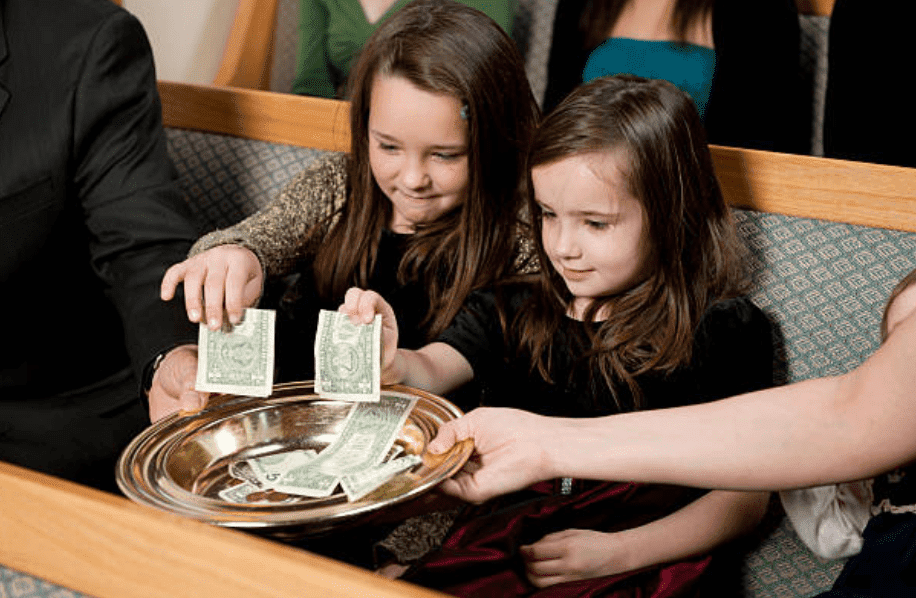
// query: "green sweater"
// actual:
[[332, 32]]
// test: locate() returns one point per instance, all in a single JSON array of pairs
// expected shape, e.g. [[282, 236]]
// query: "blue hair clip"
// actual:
[[464, 112]]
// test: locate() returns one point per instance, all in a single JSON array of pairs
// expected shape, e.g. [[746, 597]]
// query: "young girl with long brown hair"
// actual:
[[639, 305], [424, 207]]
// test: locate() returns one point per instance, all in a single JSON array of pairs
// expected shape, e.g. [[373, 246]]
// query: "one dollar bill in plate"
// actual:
[[347, 358], [239, 360]]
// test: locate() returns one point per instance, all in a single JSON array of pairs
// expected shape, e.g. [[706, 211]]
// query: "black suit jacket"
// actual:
[[90, 216]]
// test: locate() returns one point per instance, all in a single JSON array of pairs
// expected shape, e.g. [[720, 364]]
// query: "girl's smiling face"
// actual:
[[593, 229], [418, 151]]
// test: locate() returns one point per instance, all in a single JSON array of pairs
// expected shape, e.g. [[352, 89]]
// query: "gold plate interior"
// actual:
[[181, 463]]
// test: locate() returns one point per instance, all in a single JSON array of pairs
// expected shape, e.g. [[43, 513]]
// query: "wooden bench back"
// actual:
[[806, 186]]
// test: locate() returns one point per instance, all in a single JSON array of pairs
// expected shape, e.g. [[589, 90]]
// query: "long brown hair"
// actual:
[[694, 251], [440, 46], [599, 16]]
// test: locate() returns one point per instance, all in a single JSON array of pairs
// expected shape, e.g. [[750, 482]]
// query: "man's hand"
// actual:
[[509, 452], [173, 384]]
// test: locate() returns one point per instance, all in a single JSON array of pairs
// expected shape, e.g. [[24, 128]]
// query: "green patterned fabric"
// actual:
[[15, 584], [228, 178], [825, 284]]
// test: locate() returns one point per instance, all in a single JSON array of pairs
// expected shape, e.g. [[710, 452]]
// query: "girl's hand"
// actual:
[[362, 306], [232, 272], [575, 554]]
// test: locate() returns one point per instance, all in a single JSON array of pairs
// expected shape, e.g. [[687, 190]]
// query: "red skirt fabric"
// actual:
[[480, 558]]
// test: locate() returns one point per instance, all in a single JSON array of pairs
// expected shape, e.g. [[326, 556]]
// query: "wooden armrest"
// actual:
[[106, 546], [305, 121], [247, 58], [818, 8]]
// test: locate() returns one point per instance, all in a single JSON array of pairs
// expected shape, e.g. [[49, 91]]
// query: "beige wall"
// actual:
[[188, 36]]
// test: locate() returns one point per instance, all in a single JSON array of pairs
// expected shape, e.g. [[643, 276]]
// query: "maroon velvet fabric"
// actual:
[[480, 558]]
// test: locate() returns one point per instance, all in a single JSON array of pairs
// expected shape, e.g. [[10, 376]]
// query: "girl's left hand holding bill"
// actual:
[[575, 554], [173, 384], [362, 306]]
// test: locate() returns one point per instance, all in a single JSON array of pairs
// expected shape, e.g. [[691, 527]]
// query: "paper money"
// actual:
[[248, 493], [241, 470], [239, 360], [358, 485], [239, 493], [364, 442], [367, 436], [347, 358], [267, 469]]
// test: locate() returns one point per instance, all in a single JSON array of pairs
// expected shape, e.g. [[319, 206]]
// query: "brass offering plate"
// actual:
[[181, 463]]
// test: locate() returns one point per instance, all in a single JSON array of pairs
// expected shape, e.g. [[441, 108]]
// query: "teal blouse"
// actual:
[[332, 33], [688, 66]]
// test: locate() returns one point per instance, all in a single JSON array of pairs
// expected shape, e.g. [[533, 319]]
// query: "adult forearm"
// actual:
[[814, 432]]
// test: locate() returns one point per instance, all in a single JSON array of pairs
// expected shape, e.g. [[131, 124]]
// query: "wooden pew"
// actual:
[[806, 186], [106, 546]]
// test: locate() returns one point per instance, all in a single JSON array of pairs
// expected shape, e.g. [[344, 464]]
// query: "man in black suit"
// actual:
[[90, 218]]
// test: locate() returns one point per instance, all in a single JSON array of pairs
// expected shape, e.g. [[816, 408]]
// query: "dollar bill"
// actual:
[[347, 358], [367, 437], [267, 469], [241, 470], [358, 485], [248, 493], [239, 493], [395, 451], [240, 358]]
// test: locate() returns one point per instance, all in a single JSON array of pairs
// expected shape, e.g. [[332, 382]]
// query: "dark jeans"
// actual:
[[886, 567]]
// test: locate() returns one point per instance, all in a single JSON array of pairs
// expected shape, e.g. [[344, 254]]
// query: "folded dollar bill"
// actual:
[[239, 360], [364, 454], [358, 485], [347, 358]]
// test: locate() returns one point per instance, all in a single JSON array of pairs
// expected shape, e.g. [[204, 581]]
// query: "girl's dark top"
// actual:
[[757, 94], [732, 354], [479, 557], [298, 309]]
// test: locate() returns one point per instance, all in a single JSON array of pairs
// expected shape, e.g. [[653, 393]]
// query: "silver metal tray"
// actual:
[[180, 463]]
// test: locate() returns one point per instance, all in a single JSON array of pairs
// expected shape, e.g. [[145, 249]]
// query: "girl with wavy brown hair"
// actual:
[[425, 206], [639, 305]]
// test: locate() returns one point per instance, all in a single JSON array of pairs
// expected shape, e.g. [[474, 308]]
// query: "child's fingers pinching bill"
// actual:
[[214, 295], [236, 280], [362, 306]]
